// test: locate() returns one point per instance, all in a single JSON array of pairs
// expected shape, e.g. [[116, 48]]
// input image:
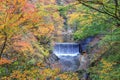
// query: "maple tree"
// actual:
[[21, 20], [12, 17]]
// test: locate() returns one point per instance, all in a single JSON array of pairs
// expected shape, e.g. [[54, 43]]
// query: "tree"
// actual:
[[14, 14], [106, 64], [108, 7]]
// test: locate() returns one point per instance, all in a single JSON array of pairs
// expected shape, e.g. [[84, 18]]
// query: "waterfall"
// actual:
[[68, 53], [66, 49]]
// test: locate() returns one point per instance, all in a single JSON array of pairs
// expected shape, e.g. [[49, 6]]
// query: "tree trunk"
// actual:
[[4, 45]]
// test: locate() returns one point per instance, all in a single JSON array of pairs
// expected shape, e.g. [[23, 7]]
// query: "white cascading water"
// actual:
[[66, 49]]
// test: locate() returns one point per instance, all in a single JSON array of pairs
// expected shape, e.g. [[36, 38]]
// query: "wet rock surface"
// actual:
[[69, 63], [65, 63]]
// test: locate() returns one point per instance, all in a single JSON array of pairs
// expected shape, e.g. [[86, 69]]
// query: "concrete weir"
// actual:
[[66, 49]]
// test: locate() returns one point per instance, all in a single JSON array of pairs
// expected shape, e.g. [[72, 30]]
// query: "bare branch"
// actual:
[[101, 11]]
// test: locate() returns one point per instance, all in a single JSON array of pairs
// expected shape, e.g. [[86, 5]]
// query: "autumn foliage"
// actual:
[[25, 28], [5, 61], [30, 28]]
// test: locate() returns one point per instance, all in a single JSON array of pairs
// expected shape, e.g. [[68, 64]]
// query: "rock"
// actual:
[[52, 58]]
